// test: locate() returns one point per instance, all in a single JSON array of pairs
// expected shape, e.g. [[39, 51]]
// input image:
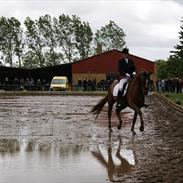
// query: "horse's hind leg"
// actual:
[[118, 110], [109, 116], [133, 124]]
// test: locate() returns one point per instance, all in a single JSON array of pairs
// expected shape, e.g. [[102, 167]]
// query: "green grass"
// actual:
[[175, 97]]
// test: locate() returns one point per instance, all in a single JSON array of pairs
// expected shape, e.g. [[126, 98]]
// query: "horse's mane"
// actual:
[[139, 76]]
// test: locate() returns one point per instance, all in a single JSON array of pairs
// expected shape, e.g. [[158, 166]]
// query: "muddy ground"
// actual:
[[56, 139]]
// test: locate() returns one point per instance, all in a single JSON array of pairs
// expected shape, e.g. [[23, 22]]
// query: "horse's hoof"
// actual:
[[110, 130], [119, 127], [134, 133], [146, 105], [141, 128]]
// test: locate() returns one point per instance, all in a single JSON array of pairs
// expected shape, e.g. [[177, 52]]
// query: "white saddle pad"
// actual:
[[116, 89]]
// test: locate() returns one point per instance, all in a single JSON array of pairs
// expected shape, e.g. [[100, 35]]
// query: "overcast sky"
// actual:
[[151, 26]]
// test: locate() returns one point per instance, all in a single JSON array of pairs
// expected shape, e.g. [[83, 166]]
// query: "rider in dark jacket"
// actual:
[[126, 68]]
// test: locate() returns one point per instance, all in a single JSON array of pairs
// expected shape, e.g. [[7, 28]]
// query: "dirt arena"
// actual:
[[56, 139]]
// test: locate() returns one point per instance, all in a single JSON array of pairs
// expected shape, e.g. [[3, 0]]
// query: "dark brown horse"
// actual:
[[134, 98]]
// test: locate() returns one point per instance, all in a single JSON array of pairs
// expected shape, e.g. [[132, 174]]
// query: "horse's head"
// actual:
[[145, 81]]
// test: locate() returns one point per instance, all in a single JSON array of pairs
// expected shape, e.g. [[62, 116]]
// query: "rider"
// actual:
[[126, 68]]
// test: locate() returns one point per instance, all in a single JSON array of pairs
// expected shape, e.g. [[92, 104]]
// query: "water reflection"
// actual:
[[9, 146], [15, 145], [118, 161], [58, 162], [45, 161], [30, 146]]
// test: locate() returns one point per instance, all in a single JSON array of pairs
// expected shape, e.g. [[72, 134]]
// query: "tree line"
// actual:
[[173, 66], [49, 41]]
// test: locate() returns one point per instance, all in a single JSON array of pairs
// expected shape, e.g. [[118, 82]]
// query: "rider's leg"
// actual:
[[121, 90], [121, 85]]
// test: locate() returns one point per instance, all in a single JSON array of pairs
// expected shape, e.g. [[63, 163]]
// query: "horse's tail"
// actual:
[[98, 107]]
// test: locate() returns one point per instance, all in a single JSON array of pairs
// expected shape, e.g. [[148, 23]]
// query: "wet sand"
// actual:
[[56, 139]]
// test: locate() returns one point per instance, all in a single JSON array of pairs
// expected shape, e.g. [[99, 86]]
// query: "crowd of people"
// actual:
[[23, 84], [30, 84], [169, 85], [92, 85]]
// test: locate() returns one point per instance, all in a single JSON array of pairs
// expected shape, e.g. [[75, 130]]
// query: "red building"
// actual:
[[106, 64]]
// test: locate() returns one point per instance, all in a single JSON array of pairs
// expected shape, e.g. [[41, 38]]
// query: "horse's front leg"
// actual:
[[138, 111], [118, 110], [133, 124], [141, 122]]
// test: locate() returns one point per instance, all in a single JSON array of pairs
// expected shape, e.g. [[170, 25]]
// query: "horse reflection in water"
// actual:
[[114, 170]]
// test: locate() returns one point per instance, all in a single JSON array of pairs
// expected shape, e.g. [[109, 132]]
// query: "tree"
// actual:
[[170, 68], [162, 68], [110, 36], [51, 41], [179, 48], [35, 44], [65, 37], [175, 61], [11, 40], [175, 67], [74, 37], [18, 41], [46, 28], [83, 37]]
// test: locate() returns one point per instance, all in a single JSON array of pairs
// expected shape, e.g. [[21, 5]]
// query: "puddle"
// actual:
[[32, 162]]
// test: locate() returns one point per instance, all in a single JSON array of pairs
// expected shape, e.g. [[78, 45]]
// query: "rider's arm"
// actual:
[[134, 68]]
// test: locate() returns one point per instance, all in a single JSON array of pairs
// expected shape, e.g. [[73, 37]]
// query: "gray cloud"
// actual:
[[178, 1]]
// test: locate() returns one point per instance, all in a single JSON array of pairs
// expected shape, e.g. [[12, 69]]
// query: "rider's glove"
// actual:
[[134, 73], [127, 75]]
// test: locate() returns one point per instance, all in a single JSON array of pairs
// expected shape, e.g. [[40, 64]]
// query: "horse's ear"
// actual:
[[149, 73], [144, 73]]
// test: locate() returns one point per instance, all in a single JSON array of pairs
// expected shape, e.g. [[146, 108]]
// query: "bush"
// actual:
[[178, 102]]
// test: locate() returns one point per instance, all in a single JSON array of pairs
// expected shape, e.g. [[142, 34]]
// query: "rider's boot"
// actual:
[[120, 93]]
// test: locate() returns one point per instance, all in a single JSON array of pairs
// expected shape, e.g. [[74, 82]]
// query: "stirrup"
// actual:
[[118, 105]]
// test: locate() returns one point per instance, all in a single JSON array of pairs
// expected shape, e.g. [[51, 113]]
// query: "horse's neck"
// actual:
[[135, 84]]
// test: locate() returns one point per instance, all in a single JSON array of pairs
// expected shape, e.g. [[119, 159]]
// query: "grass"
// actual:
[[175, 97]]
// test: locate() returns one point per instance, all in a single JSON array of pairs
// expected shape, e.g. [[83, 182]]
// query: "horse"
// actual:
[[134, 98]]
